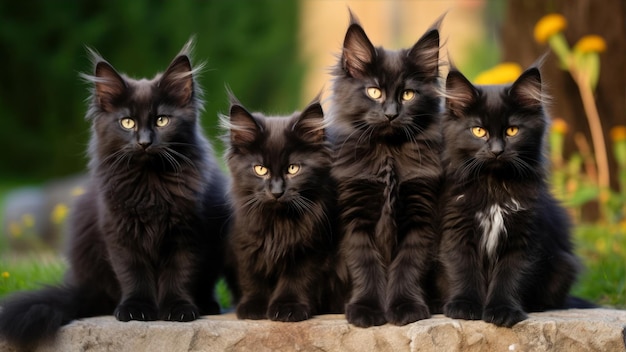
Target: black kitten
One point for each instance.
(505, 247)
(385, 127)
(283, 225)
(145, 238)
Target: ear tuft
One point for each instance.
(526, 90)
(425, 53)
(309, 126)
(109, 86)
(460, 93)
(177, 81)
(244, 128)
(358, 51)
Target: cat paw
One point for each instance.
(136, 310)
(503, 315)
(181, 312)
(253, 309)
(461, 309)
(407, 312)
(288, 311)
(364, 316)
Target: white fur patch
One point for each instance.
(492, 223)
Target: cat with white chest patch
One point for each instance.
(505, 247)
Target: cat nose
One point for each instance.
(497, 149)
(391, 112)
(144, 139)
(391, 117)
(277, 188)
(144, 143)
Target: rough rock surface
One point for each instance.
(571, 330)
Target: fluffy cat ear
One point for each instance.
(425, 53)
(358, 51)
(177, 81)
(243, 126)
(309, 126)
(526, 90)
(460, 93)
(110, 86)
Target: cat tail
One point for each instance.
(29, 318)
(573, 302)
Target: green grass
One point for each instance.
(29, 272)
(33, 271)
(603, 250)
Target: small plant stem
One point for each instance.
(597, 136)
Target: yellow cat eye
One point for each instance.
(374, 93)
(162, 121)
(408, 95)
(127, 123)
(479, 132)
(512, 131)
(260, 170)
(293, 169)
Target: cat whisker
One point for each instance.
(252, 203)
(182, 157)
(114, 158)
(523, 167)
(470, 169)
(165, 156)
(321, 216)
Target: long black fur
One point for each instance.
(387, 167)
(146, 237)
(284, 236)
(505, 245)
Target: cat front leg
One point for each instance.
(503, 306)
(367, 271)
(362, 202)
(291, 300)
(407, 273)
(416, 251)
(137, 281)
(175, 302)
(254, 294)
(463, 274)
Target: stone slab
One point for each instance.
(567, 330)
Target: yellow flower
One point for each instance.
(590, 43)
(28, 220)
(59, 213)
(548, 26)
(78, 191)
(503, 73)
(618, 133)
(5, 274)
(15, 230)
(559, 125)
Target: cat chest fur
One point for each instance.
(492, 223)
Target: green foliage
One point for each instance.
(603, 249)
(23, 273)
(248, 45)
(31, 272)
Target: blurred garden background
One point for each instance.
(275, 55)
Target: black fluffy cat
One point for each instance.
(385, 128)
(145, 238)
(505, 246)
(283, 227)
